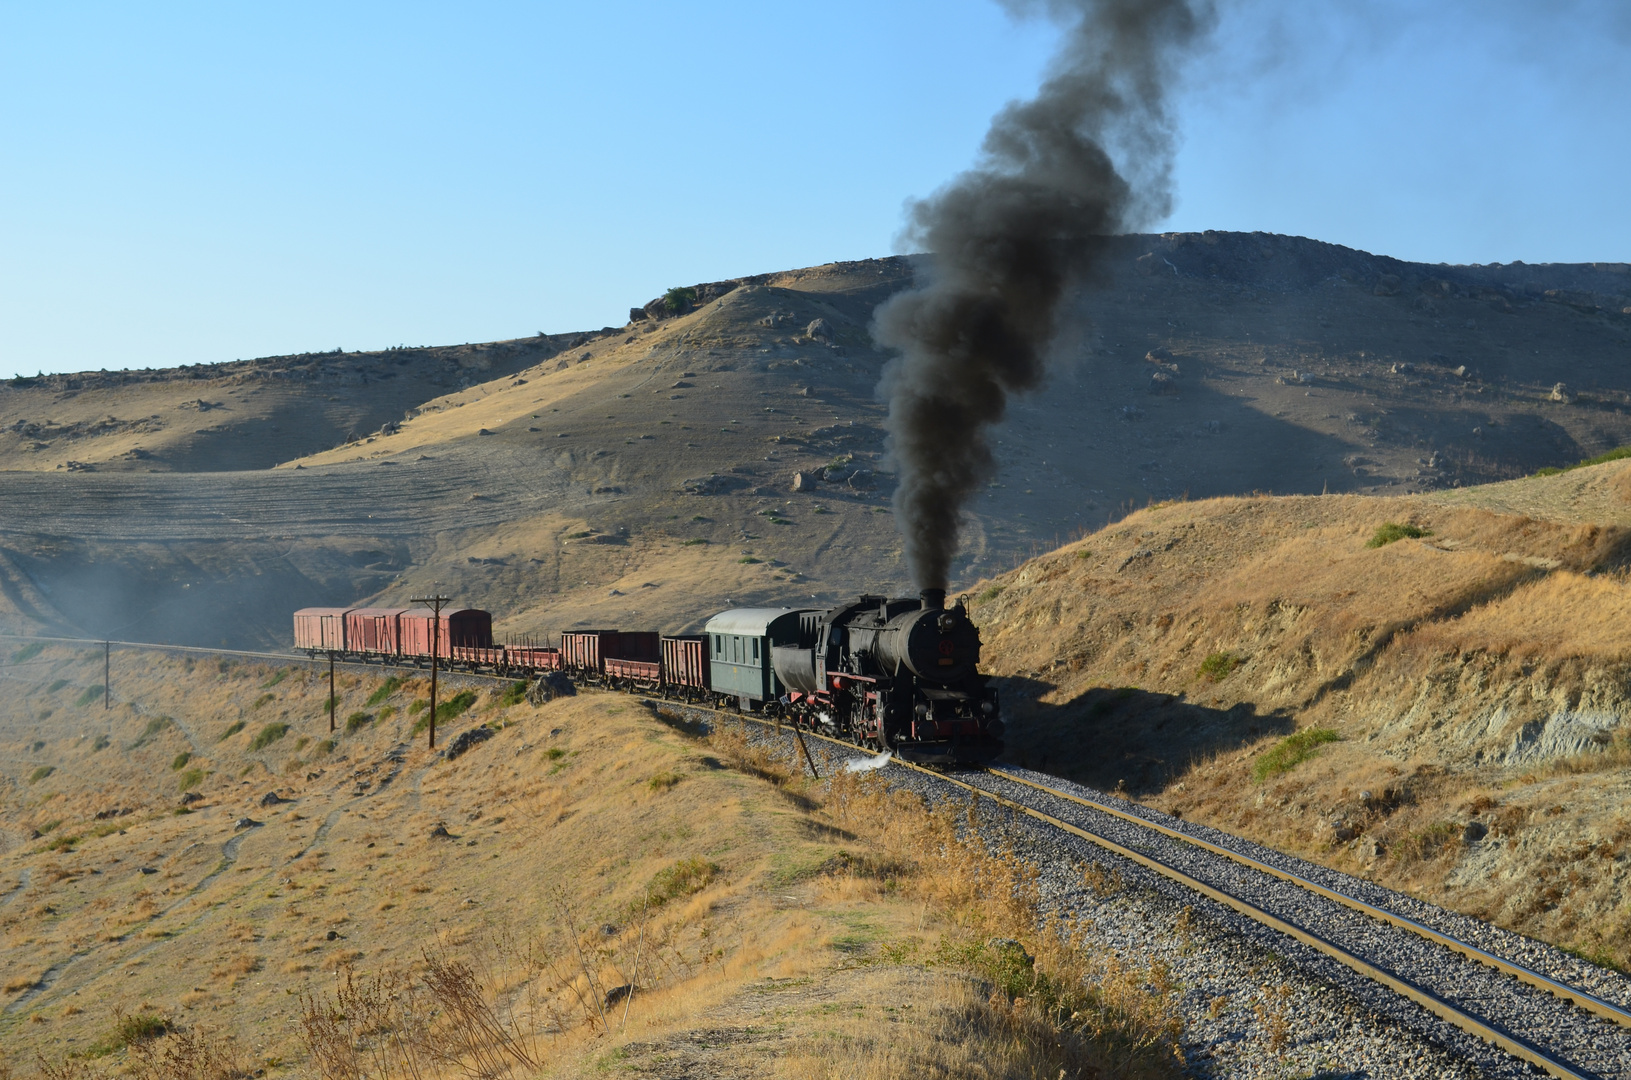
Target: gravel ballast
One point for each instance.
(1255, 1002)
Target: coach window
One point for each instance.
(755, 650)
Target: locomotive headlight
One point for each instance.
(988, 707)
(948, 623)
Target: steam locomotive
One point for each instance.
(897, 674)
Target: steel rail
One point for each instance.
(1513, 1044)
(1595, 1005)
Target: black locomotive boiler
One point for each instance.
(893, 674)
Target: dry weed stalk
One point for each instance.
(200, 1054)
(1049, 986)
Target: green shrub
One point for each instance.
(191, 779)
(322, 748)
(277, 676)
(264, 699)
(27, 652)
(102, 743)
(386, 713)
(1292, 751)
(420, 725)
(555, 753)
(357, 721)
(749, 559)
(693, 542)
(1390, 531)
(41, 773)
(232, 729)
(62, 843)
(455, 705)
(681, 879)
(385, 690)
(418, 707)
(154, 726)
(268, 735)
(664, 780)
(1548, 471)
(181, 761)
(300, 743)
(58, 685)
(1219, 666)
(679, 299)
(140, 1028)
(989, 593)
(88, 695)
(514, 694)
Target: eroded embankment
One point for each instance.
(1443, 712)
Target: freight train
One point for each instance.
(897, 674)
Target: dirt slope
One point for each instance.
(645, 473)
(581, 846)
(1466, 689)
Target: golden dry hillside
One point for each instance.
(644, 474)
(1420, 690)
(204, 869)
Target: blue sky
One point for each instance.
(186, 183)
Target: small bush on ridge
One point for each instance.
(1389, 531)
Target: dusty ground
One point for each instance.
(552, 479)
(1471, 684)
(584, 845)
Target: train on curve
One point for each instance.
(898, 674)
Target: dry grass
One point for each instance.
(674, 877)
(1432, 658)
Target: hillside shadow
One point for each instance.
(1124, 738)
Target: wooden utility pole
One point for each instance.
(331, 691)
(434, 602)
(107, 664)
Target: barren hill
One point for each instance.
(1441, 706)
(645, 473)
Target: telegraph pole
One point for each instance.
(331, 691)
(107, 663)
(434, 602)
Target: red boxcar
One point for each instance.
(467, 628)
(644, 673)
(535, 658)
(374, 630)
(685, 662)
(586, 650)
(640, 645)
(320, 628)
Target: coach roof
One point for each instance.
(749, 622)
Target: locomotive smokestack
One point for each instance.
(1008, 239)
(933, 599)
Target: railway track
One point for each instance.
(1545, 1022)
(1540, 1019)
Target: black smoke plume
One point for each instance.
(1089, 157)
